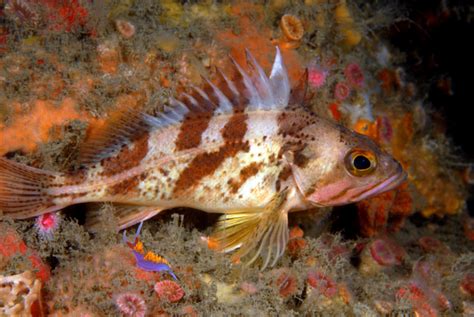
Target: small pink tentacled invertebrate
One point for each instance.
(47, 223)
(131, 305)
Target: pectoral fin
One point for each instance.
(262, 232)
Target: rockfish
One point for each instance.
(246, 147)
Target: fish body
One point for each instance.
(246, 148)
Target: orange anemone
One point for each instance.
(293, 31)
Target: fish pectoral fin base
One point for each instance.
(125, 215)
(262, 232)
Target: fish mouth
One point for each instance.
(388, 184)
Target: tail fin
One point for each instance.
(23, 190)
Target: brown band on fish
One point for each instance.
(206, 163)
(190, 132)
(127, 158)
(195, 122)
(285, 173)
(124, 187)
(245, 173)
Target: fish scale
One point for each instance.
(246, 147)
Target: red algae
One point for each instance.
(341, 91)
(286, 284)
(169, 291)
(11, 246)
(354, 75)
(432, 245)
(335, 112)
(467, 285)
(322, 283)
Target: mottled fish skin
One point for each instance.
(236, 164)
(246, 148)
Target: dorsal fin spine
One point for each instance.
(261, 81)
(192, 100)
(261, 93)
(202, 93)
(229, 83)
(224, 103)
(279, 81)
(252, 91)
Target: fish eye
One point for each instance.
(360, 162)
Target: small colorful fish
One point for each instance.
(150, 261)
(247, 148)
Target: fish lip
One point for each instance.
(390, 183)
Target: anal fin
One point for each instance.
(125, 215)
(262, 232)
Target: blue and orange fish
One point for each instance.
(149, 261)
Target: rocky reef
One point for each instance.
(65, 65)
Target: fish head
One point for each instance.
(337, 166)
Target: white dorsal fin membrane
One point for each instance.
(194, 103)
(202, 93)
(179, 106)
(229, 83)
(279, 81)
(225, 106)
(207, 104)
(253, 95)
(170, 115)
(261, 82)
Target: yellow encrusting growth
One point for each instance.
(346, 26)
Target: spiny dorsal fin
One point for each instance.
(250, 91)
(125, 126)
(298, 94)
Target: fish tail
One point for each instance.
(24, 190)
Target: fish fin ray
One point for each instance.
(261, 82)
(299, 93)
(253, 90)
(279, 81)
(123, 127)
(24, 190)
(260, 233)
(126, 215)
